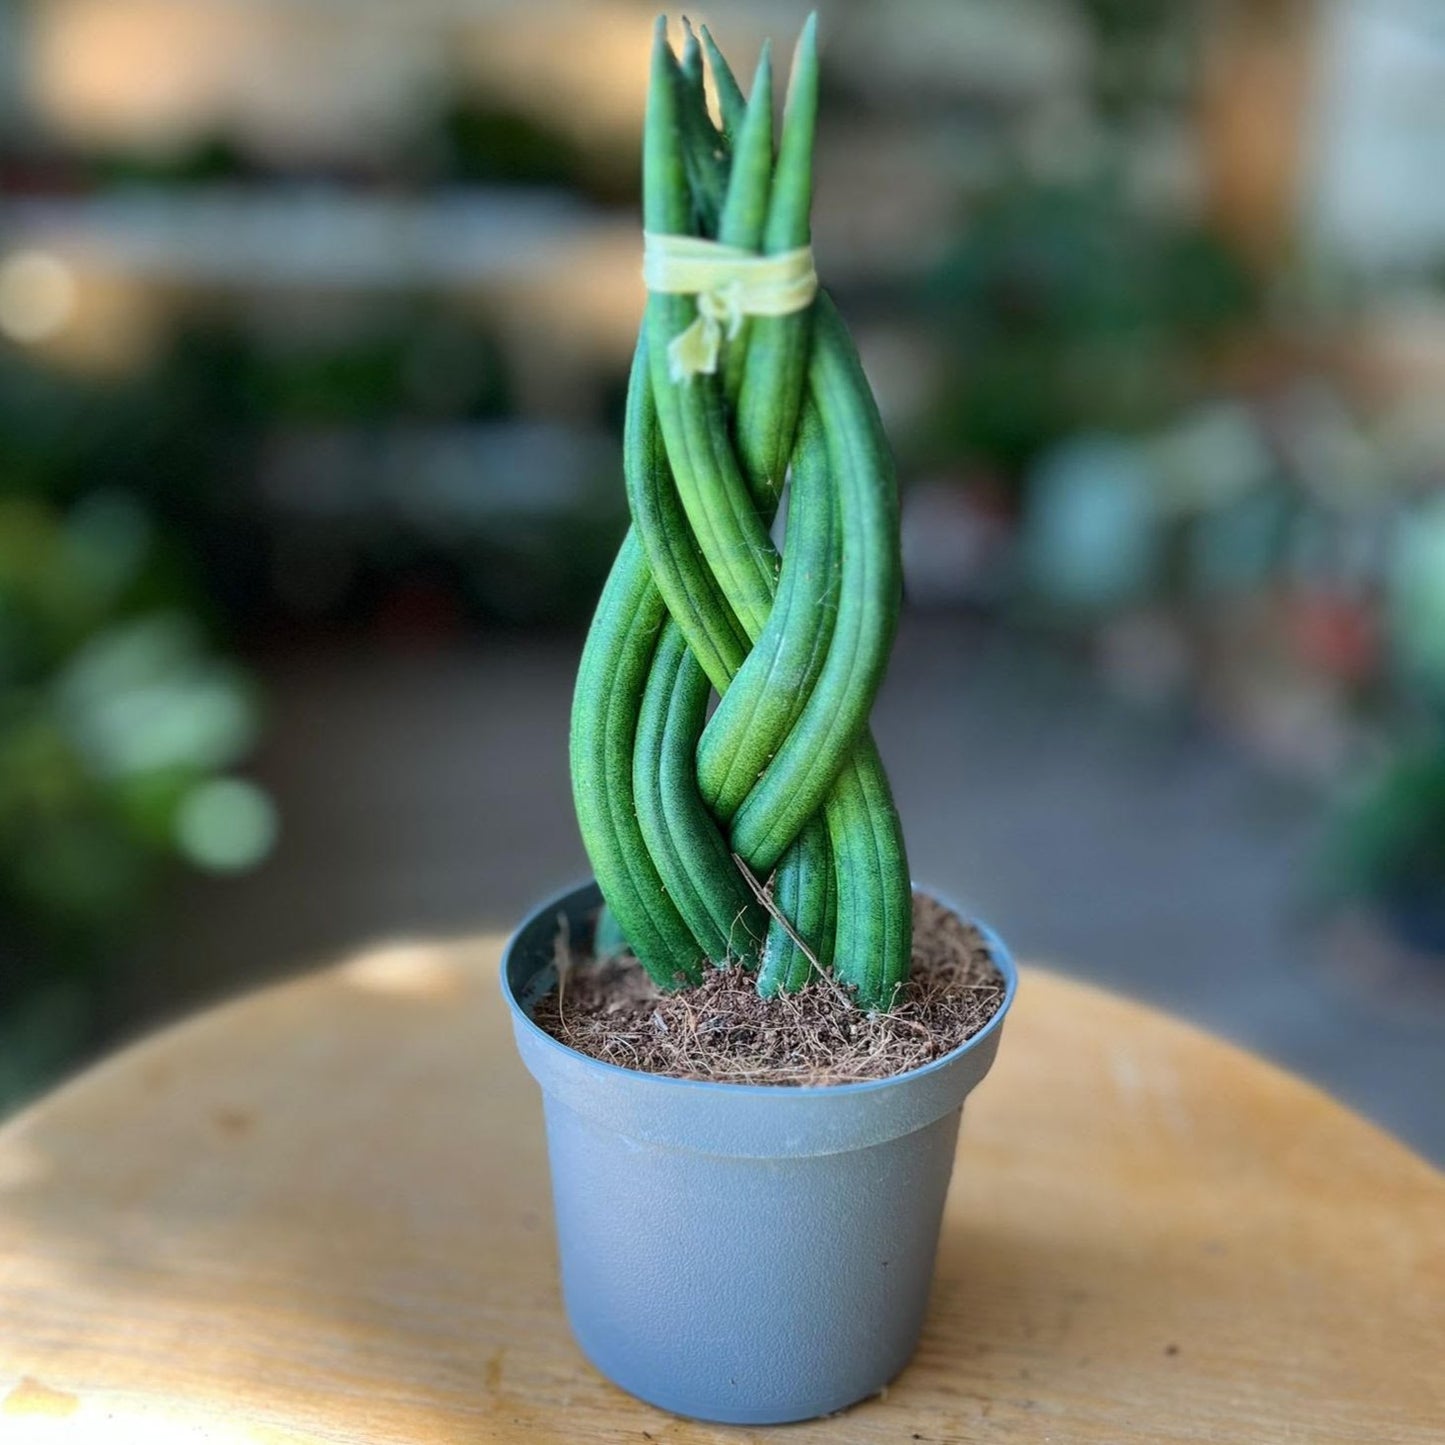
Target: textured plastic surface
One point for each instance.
(738, 1253)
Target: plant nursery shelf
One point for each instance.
(321, 1214)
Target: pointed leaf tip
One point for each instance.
(729, 95)
(691, 60)
(808, 36)
(664, 58)
(763, 77)
(803, 76)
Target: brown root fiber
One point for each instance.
(722, 1031)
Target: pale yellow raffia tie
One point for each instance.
(729, 284)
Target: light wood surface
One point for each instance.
(321, 1214)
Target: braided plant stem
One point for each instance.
(784, 778)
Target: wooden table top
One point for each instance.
(321, 1214)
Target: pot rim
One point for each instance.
(998, 952)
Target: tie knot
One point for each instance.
(730, 284)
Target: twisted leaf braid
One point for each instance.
(784, 775)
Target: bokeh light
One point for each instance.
(226, 825)
(37, 296)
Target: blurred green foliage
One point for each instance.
(479, 144)
(1061, 309)
(1386, 846)
(114, 713)
(186, 436)
(459, 140)
(142, 519)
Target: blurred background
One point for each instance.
(314, 324)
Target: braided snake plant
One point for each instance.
(762, 833)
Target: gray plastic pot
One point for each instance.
(739, 1253)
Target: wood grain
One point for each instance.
(321, 1214)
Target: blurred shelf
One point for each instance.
(443, 478)
(321, 236)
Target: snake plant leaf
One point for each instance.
(785, 776)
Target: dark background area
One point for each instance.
(314, 327)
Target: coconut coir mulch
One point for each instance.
(722, 1031)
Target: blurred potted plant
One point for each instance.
(117, 726)
(1387, 847)
(753, 1251)
(1387, 844)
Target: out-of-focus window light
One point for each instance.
(37, 296)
